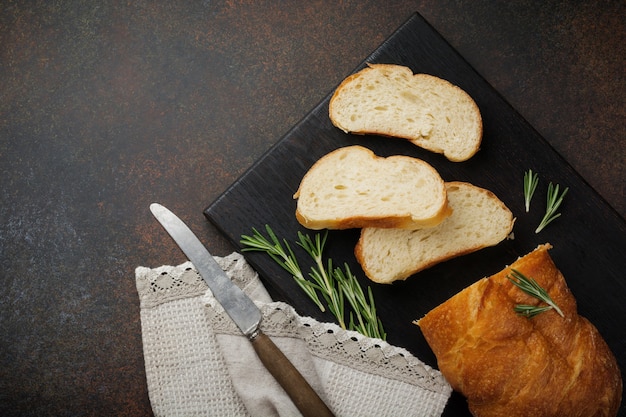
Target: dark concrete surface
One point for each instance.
(106, 107)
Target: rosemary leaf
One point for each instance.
(532, 288)
(553, 201)
(285, 258)
(531, 180)
(322, 275)
(530, 310)
(365, 312)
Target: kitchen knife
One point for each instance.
(244, 313)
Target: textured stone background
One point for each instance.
(106, 107)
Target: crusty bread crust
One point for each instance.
(479, 219)
(509, 365)
(389, 100)
(352, 187)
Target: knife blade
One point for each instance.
(246, 315)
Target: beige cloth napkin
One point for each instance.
(199, 364)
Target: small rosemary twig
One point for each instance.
(553, 201)
(283, 257)
(323, 275)
(531, 180)
(532, 288)
(367, 322)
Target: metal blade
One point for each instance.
(238, 305)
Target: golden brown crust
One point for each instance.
(358, 222)
(494, 220)
(436, 141)
(508, 365)
(405, 218)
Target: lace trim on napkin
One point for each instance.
(349, 348)
(168, 283)
(324, 340)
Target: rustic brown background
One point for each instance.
(106, 107)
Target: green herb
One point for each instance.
(530, 287)
(531, 180)
(367, 322)
(322, 274)
(335, 285)
(285, 258)
(553, 201)
(530, 310)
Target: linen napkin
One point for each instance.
(199, 364)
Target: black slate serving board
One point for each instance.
(589, 239)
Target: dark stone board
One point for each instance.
(589, 238)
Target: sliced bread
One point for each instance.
(479, 219)
(352, 187)
(389, 100)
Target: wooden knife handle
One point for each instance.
(294, 384)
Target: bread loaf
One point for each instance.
(389, 100)
(479, 219)
(513, 366)
(351, 187)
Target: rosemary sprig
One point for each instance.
(530, 310)
(323, 275)
(532, 288)
(283, 257)
(553, 201)
(367, 322)
(335, 285)
(531, 180)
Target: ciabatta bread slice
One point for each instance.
(352, 187)
(389, 100)
(479, 219)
